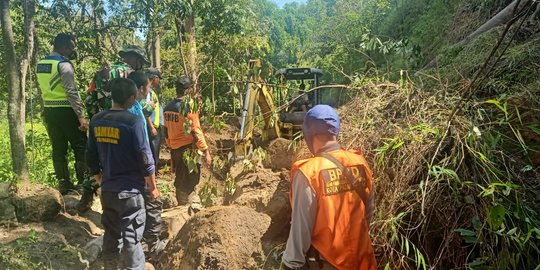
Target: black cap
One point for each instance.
(153, 72)
(184, 82)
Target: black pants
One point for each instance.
(123, 219)
(152, 228)
(155, 144)
(184, 181)
(63, 127)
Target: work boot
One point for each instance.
(65, 186)
(182, 198)
(86, 201)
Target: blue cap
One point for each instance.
(321, 119)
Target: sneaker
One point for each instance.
(86, 201)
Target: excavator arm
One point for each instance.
(257, 93)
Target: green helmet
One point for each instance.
(135, 50)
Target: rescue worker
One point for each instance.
(332, 201)
(177, 115)
(154, 208)
(119, 157)
(156, 112)
(63, 110)
(99, 99)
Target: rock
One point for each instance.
(71, 202)
(92, 250)
(5, 190)
(221, 237)
(173, 220)
(37, 204)
(7, 212)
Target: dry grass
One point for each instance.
(421, 205)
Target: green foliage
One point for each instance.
(38, 150)
(192, 159)
(207, 194)
(32, 252)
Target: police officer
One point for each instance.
(119, 157)
(99, 99)
(177, 114)
(332, 201)
(63, 110)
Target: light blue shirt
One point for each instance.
(136, 109)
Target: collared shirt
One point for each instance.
(67, 73)
(137, 109)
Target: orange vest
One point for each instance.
(340, 233)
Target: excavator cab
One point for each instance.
(295, 101)
(269, 108)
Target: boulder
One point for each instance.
(7, 212)
(38, 203)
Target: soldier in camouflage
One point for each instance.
(99, 99)
(99, 95)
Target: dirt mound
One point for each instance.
(222, 237)
(266, 192)
(280, 154)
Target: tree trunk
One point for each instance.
(16, 100)
(180, 41)
(193, 70)
(155, 45)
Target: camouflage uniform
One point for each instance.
(99, 94)
(99, 99)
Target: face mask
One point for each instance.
(73, 55)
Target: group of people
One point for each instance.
(118, 151)
(332, 194)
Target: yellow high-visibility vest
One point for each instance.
(50, 82)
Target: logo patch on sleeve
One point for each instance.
(44, 68)
(335, 181)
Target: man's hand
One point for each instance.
(98, 178)
(154, 193)
(152, 104)
(207, 159)
(153, 131)
(152, 187)
(83, 125)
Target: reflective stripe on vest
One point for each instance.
(50, 82)
(340, 233)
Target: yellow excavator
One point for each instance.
(281, 115)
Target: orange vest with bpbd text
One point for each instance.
(340, 233)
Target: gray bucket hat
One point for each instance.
(184, 82)
(135, 50)
(153, 72)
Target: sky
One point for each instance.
(280, 3)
